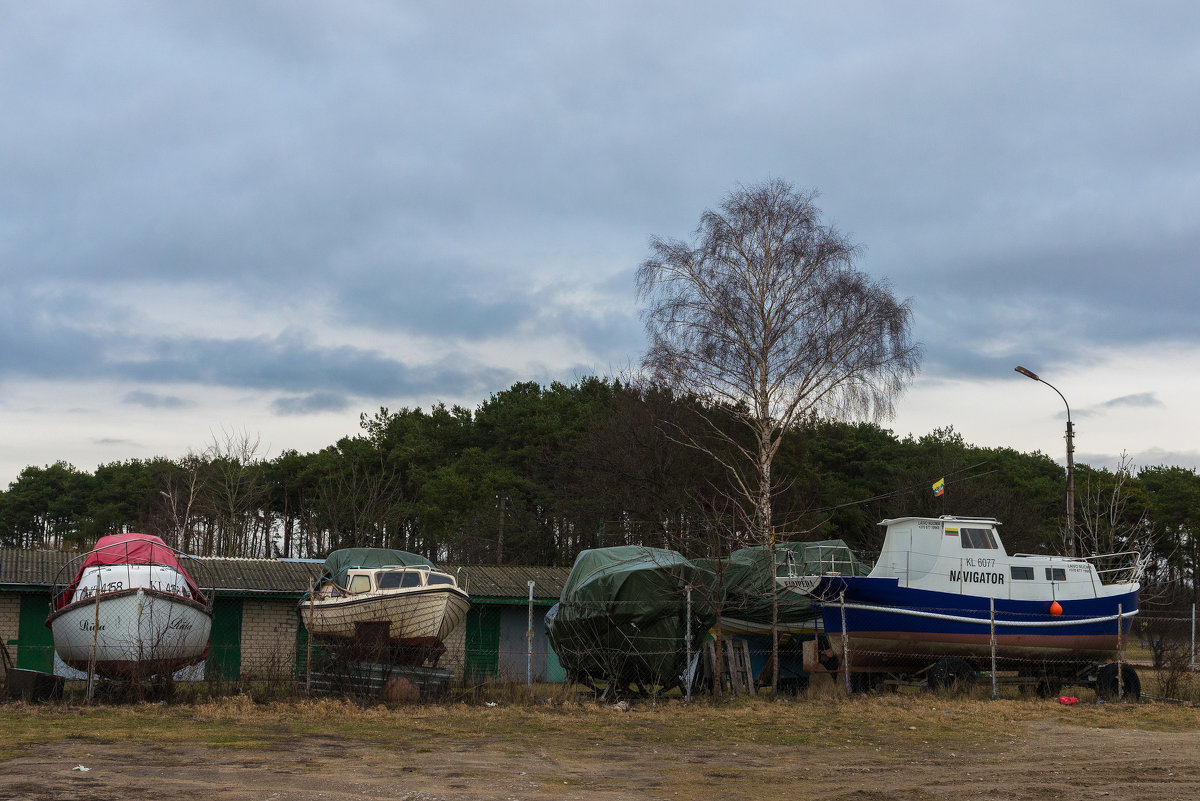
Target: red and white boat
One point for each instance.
(129, 610)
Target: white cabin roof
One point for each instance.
(985, 521)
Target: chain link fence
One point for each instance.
(1155, 657)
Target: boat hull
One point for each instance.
(418, 619)
(140, 633)
(889, 627)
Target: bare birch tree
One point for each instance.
(765, 314)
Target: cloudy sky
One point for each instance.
(271, 216)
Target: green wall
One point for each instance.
(36, 651)
(225, 642)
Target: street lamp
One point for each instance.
(1070, 460)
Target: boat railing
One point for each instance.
(821, 560)
(64, 585)
(1121, 567)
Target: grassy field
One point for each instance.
(908, 746)
(894, 721)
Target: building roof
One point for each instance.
(27, 570)
(510, 581)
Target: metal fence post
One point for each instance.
(992, 615)
(529, 637)
(312, 587)
(687, 636)
(1120, 656)
(845, 643)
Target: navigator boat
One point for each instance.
(129, 610)
(384, 604)
(945, 588)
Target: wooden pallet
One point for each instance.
(737, 677)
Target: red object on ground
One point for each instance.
(128, 549)
(1068, 700)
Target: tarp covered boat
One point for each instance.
(129, 610)
(748, 579)
(622, 616)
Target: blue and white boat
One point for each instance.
(944, 587)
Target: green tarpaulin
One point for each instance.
(748, 580)
(340, 561)
(622, 615)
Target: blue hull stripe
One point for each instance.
(881, 605)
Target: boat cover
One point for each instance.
(748, 583)
(622, 615)
(339, 562)
(128, 549)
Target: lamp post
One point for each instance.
(1070, 460)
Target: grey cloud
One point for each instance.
(268, 363)
(39, 338)
(441, 300)
(1140, 400)
(153, 400)
(1031, 192)
(310, 404)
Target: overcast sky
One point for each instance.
(270, 217)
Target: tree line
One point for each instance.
(536, 474)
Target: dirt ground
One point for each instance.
(1044, 758)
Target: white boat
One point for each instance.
(379, 600)
(945, 596)
(129, 610)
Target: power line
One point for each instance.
(913, 488)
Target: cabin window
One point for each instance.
(389, 580)
(977, 538)
(360, 584)
(1056, 574)
(439, 578)
(398, 579)
(1022, 573)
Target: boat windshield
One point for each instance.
(440, 578)
(398, 579)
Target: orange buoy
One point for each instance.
(1055, 608)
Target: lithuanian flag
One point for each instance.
(939, 486)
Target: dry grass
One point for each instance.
(912, 746)
(887, 721)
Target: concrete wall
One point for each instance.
(268, 638)
(10, 624)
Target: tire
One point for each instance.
(951, 677)
(1049, 688)
(864, 682)
(1107, 687)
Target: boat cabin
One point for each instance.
(390, 578)
(965, 555)
(114, 578)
